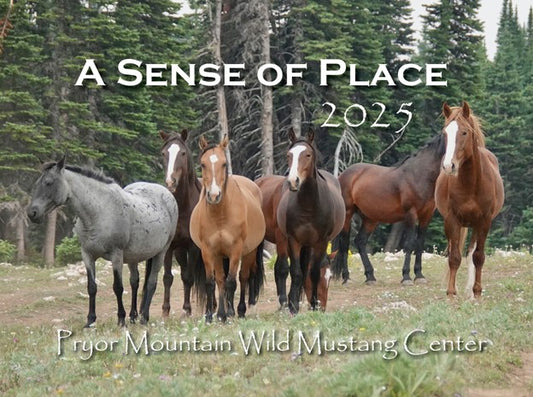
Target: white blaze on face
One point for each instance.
(173, 151)
(451, 135)
(293, 172)
(214, 188)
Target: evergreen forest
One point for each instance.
(44, 115)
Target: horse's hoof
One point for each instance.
(346, 280)
(370, 282)
(421, 280)
(407, 282)
(90, 325)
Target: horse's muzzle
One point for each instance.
(449, 169)
(34, 214)
(294, 184)
(214, 198)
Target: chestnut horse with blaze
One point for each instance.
(271, 187)
(469, 193)
(310, 213)
(228, 224)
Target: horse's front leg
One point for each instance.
(318, 258)
(134, 284)
(452, 229)
(210, 263)
(297, 276)
(153, 265)
(168, 279)
(118, 286)
(478, 257)
(231, 278)
(91, 286)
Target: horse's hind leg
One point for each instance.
(281, 268)
(134, 283)
(342, 242)
(360, 242)
(187, 278)
(452, 229)
(409, 246)
(168, 279)
(118, 286)
(244, 278)
(421, 237)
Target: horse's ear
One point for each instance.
(203, 143)
(292, 135)
(310, 135)
(466, 110)
(224, 142)
(61, 163)
(164, 136)
(446, 109)
(184, 134)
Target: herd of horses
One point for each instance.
(215, 226)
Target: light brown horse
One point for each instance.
(469, 192)
(228, 223)
(271, 188)
(310, 213)
(404, 192)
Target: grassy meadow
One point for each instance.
(382, 340)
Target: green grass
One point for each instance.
(30, 364)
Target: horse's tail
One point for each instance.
(257, 277)
(199, 279)
(340, 244)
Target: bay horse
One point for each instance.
(310, 213)
(127, 225)
(378, 194)
(469, 193)
(271, 188)
(181, 180)
(228, 223)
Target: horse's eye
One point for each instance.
(224, 165)
(202, 165)
(183, 153)
(308, 155)
(464, 133)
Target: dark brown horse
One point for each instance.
(271, 187)
(228, 223)
(388, 195)
(310, 213)
(469, 193)
(181, 180)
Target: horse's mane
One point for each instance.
(473, 121)
(435, 143)
(89, 173)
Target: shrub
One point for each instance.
(68, 251)
(7, 251)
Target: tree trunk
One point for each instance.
(21, 247)
(267, 146)
(221, 96)
(296, 101)
(395, 236)
(50, 239)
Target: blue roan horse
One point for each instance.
(127, 225)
